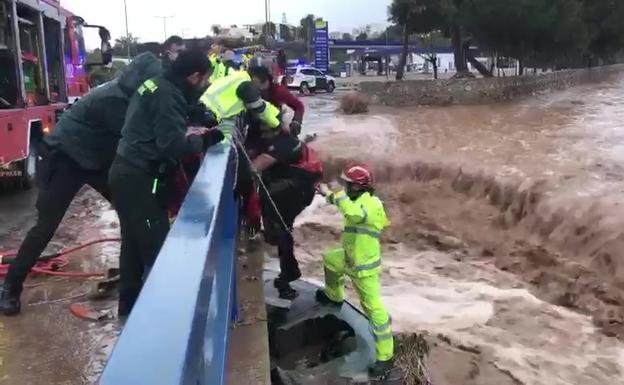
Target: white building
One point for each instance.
(446, 62)
(336, 35)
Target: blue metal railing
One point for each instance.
(178, 331)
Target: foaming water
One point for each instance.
(478, 308)
(538, 185)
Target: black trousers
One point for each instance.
(144, 227)
(59, 179)
(291, 198)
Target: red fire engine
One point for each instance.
(42, 71)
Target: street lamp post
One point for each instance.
(127, 30)
(164, 19)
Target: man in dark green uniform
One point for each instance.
(154, 138)
(78, 152)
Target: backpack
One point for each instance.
(310, 162)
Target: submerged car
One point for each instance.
(314, 344)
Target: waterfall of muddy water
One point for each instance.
(506, 238)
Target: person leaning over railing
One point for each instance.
(78, 152)
(154, 138)
(230, 96)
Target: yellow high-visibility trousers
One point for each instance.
(368, 287)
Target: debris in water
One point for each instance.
(411, 356)
(354, 103)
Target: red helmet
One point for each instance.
(357, 173)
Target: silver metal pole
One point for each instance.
(164, 19)
(127, 30)
(388, 57)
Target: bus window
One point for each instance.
(67, 44)
(9, 88)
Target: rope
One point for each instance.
(238, 141)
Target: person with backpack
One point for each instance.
(290, 172)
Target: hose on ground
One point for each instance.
(53, 264)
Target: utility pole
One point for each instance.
(387, 59)
(267, 20)
(127, 30)
(164, 19)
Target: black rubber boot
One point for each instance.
(380, 369)
(10, 304)
(321, 297)
(285, 290)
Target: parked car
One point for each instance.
(307, 79)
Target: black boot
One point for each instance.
(285, 290)
(380, 369)
(10, 301)
(321, 297)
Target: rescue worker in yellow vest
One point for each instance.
(246, 60)
(223, 65)
(359, 258)
(229, 96)
(218, 68)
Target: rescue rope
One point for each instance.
(237, 139)
(52, 264)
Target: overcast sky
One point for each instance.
(195, 17)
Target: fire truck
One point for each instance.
(42, 71)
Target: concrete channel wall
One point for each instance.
(479, 90)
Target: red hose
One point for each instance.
(51, 266)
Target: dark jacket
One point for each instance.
(156, 124)
(89, 131)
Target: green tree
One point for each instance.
(269, 30)
(99, 75)
(362, 36)
(394, 32)
(347, 36)
(429, 41)
(414, 16)
(539, 31)
(286, 33)
(605, 27)
(307, 31)
(123, 43)
(307, 27)
(216, 30)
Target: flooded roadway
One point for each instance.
(46, 344)
(480, 284)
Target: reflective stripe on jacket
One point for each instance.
(223, 100)
(364, 219)
(221, 96)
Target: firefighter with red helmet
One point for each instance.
(359, 258)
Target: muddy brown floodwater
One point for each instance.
(506, 243)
